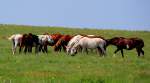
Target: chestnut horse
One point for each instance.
(62, 43)
(127, 43)
(55, 38)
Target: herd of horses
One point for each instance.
(73, 44)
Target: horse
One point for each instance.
(72, 42)
(89, 43)
(44, 40)
(16, 41)
(30, 40)
(55, 38)
(62, 43)
(77, 38)
(127, 43)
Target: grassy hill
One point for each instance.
(82, 68)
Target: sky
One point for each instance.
(101, 14)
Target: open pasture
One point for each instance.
(58, 67)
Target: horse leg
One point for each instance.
(103, 50)
(15, 46)
(86, 50)
(142, 51)
(116, 51)
(36, 49)
(25, 49)
(99, 51)
(40, 48)
(29, 48)
(20, 49)
(45, 48)
(138, 51)
(64, 48)
(59, 48)
(122, 53)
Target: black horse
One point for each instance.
(127, 43)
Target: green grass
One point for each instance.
(61, 68)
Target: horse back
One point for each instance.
(134, 43)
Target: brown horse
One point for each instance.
(30, 40)
(55, 38)
(62, 43)
(127, 43)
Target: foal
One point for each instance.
(127, 43)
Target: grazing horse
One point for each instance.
(77, 38)
(62, 43)
(72, 42)
(55, 38)
(44, 40)
(127, 43)
(89, 43)
(16, 39)
(30, 40)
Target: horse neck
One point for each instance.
(111, 41)
(76, 45)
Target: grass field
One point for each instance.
(60, 68)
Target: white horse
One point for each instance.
(44, 40)
(89, 43)
(16, 41)
(74, 40)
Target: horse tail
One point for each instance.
(11, 37)
(105, 44)
(103, 47)
(142, 44)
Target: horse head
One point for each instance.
(49, 39)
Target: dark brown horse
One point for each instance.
(127, 43)
(30, 40)
(62, 43)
